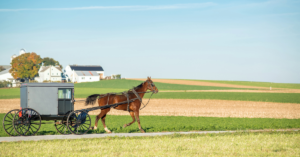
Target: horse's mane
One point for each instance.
(139, 86)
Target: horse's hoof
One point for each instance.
(125, 125)
(142, 131)
(108, 131)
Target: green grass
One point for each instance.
(178, 123)
(129, 84)
(9, 93)
(85, 92)
(264, 97)
(228, 144)
(258, 84)
(82, 90)
(237, 144)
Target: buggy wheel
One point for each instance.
(8, 122)
(27, 122)
(79, 122)
(61, 126)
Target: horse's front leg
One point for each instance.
(136, 112)
(133, 119)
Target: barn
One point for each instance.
(84, 73)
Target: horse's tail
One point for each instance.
(91, 99)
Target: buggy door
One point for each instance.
(65, 100)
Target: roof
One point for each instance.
(5, 66)
(47, 85)
(86, 73)
(44, 68)
(86, 68)
(4, 71)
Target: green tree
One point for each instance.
(26, 66)
(50, 61)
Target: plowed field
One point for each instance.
(194, 107)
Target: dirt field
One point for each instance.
(188, 107)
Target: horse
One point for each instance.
(133, 106)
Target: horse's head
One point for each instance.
(151, 86)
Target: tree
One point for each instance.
(26, 66)
(2, 68)
(50, 61)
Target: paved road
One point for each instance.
(54, 137)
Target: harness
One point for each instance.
(126, 93)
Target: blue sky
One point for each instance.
(211, 40)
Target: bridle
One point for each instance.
(151, 84)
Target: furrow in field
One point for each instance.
(195, 107)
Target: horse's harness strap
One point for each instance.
(127, 96)
(147, 102)
(136, 94)
(107, 99)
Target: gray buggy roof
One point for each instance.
(47, 85)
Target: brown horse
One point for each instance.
(133, 107)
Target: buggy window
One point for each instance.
(64, 93)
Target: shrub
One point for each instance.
(4, 84)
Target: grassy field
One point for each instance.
(129, 84)
(9, 93)
(82, 90)
(178, 123)
(258, 84)
(236, 144)
(263, 97)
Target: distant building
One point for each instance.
(49, 73)
(84, 73)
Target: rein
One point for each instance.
(126, 93)
(136, 94)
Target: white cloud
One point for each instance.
(134, 7)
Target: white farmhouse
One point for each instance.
(6, 76)
(49, 73)
(84, 73)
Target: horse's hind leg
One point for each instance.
(102, 116)
(103, 122)
(133, 119)
(96, 121)
(103, 119)
(138, 120)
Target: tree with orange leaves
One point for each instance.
(26, 66)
